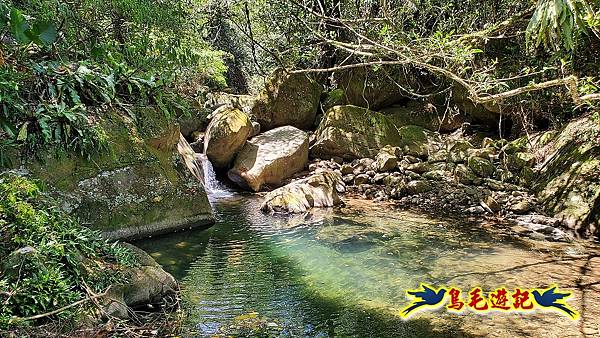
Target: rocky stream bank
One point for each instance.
(547, 182)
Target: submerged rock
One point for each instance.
(352, 132)
(147, 284)
(225, 136)
(270, 158)
(287, 99)
(318, 190)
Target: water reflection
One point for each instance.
(343, 273)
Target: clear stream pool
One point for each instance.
(343, 273)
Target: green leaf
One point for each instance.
(43, 33)
(23, 132)
(19, 26)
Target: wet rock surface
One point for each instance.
(320, 189)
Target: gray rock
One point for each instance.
(316, 191)
(347, 169)
(435, 175)
(521, 207)
(418, 187)
(387, 158)
(361, 179)
(270, 158)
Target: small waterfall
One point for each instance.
(211, 184)
(202, 169)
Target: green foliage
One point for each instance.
(46, 107)
(42, 33)
(48, 256)
(71, 61)
(555, 23)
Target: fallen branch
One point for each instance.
(570, 81)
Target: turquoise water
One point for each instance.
(328, 273)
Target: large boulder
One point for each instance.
(147, 284)
(137, 187)
(318, 190)
(375, 89)
(270, 158)
(568, 183)
(353, 132)
(287, 99)
(225, 136)
(423, 114)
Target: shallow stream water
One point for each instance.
(344, 273)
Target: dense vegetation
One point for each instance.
(65, 64)
(49, 261)
(496, 50)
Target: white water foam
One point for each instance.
(214, 188)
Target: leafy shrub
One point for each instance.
(62, 64)
(47, 256)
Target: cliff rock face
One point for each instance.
(568, 183)
(136, 188)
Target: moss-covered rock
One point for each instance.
(147, 284)
(225, 136)
(136, 187)
(423, 114)
(353, 132)
(375, 89)
(334, 98)
(481, 166)
(287, 99)
(459, 152)
(568, 185)
(418, 141)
